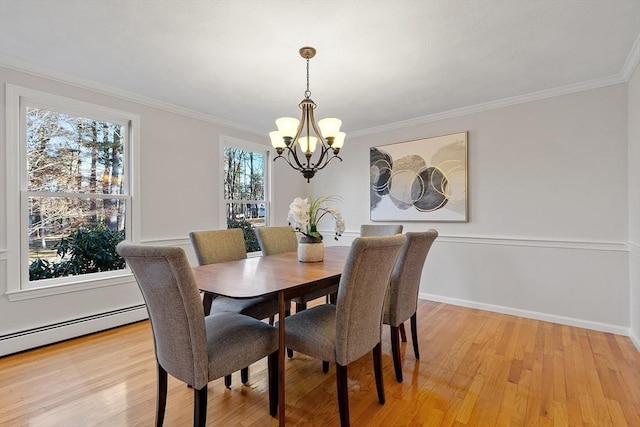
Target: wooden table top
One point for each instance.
(265, 275)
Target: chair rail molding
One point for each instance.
(511, 241)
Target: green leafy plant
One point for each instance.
(250, 239)
(81, 252)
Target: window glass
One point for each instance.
(76, 193)
(245, 186)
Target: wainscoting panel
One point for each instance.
(577, 283)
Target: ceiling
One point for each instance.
(378, 62)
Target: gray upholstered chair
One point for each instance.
(346, 331)
(369, 230)
(276, 240)
(214, 246)
(189, 346)
(402, 298)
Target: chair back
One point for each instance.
(175, 309)
(402, 298)
(214, 246)
(369, 230)
(276, 240)
(361, 294)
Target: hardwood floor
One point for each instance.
(476, 368)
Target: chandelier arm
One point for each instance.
(291, 151)
(320, 138)
(280, 156)
(300, 126)
(296, 142)
(327, 162)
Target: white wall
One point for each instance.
(548, 209)
(553, 195)
(179, 192)
(634, 202)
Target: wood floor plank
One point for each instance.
(476, 369)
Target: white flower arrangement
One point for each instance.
(304, 216)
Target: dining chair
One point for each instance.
(368, 230)
(344, 332)
(401, 302)
(276, 240)
(192, 347)
(214, 246)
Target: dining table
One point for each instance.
(279, 276)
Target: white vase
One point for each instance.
(310, 252)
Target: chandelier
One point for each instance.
(299, 138)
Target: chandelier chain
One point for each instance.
(307, 93)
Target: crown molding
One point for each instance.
(493, 105)
(630, 64)
(633, 59)
(48, 73)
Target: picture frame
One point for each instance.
(420, 180)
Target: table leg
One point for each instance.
(281, 353)
(207, 300)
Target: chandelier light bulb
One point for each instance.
(308, 145)
(287, 126)
(329, 127)
(338, 142)
(276, 139)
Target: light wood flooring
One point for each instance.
(476, 368)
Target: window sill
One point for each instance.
(121, 278)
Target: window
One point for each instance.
(245, 188)
(74, 188)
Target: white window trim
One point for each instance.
(16, 269)
(226, 141)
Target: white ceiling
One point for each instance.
(378, 62)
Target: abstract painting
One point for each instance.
(421, 180)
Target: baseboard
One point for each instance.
(635, 340)
(562, 320)
(37, 337)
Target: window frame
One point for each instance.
(226, 141)
(18, 98)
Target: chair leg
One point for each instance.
(300, 306)
(227, 381)
(161, 404)
(287, 314)
(414, 335)
(271, 320)
(343, 395)
(325, 366)
(395, 351)
(403, 334)
(244, 375)
(377, 370)
(272, 367)
(200, 407)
